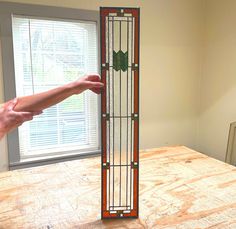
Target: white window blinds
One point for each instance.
(47, 54)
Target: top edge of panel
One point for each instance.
(131, 8)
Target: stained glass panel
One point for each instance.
(120, 111)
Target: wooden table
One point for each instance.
(179, 188)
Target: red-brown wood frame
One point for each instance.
(105, 11)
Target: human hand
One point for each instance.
(10, 119)
(91, 82)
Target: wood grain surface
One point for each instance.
(179, 188)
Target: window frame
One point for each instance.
(7, 10)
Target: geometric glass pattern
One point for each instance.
(120, 111)
(120, 60)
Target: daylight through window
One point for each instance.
(49, 53)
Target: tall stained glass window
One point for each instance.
(120, 111)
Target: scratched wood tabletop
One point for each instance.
(179, 188)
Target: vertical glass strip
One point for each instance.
(122, 164)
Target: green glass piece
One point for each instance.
(120, 60)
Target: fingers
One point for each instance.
(36, 113)
(12, 119)
(10, 104)
(96, 84)
(14, 102)
(96, 87)
(96, 90)
(26, 116)
(93, 77)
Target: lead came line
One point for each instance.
(113, 102)
(109, 111)
(127, 146)
(120, 122)
(131, 109)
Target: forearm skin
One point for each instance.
(41, 101)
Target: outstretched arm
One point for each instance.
(17, 111)
(41, 101)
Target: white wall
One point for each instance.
(218, 86)
(171, 59)
(171, 54)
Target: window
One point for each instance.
(49, 48)
(47, 54)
